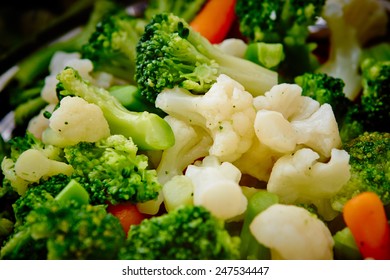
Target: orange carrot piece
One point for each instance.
(365, 216)
(215, 19)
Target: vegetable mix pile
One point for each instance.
(204, 129)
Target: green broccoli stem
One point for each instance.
(131, 98)
(148, 131)
(256, 79)
(183, 9)
(269, 55)
(250, 248)
(345, 247)
(73, 191)
(25, 111)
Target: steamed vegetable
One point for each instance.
(170, 53)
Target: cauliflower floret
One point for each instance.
(301, 178)
(301, 121)
(216, 187)
(38, 124)
(75, 121)
(233, 46)
(292, 233)
(59, 61)
(225, 112)
(32, 165)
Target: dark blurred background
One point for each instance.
(22, 21)
(27, 25)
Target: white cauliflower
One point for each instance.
(300, 178)
(301, 121)
(75, 121)
(225, 112)
(292, 233)
(32, 165)
(216, 187)
(233, 46)
(59, 61)
(38, 124)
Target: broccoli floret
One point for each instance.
(66, 231)
(19, 144)
(111, 170)
(189, 232)
(186, 9)
(284, 22)
(277, 21)
(21, 246)
(149, 131)
(369, 154)
(112, 47)
(375, 98)
(7, 219)
(170, 53)
(325, 89)
(37, 194)
(352, 124)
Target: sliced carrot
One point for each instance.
(215, 20)
(127, 213)
(365, 216)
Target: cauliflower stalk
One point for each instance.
(352, 24)
(75, 121)
(191, 143)
(225, 112)
(293, 233)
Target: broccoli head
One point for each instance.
(66, 231)
(170, 53)
(286, 22)
(112, 45)
(37, 194)
(111, 170)
(375, 98)
(369, 154)
(21, 143)
(277, 21)
(325, 89)
(188, 232)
